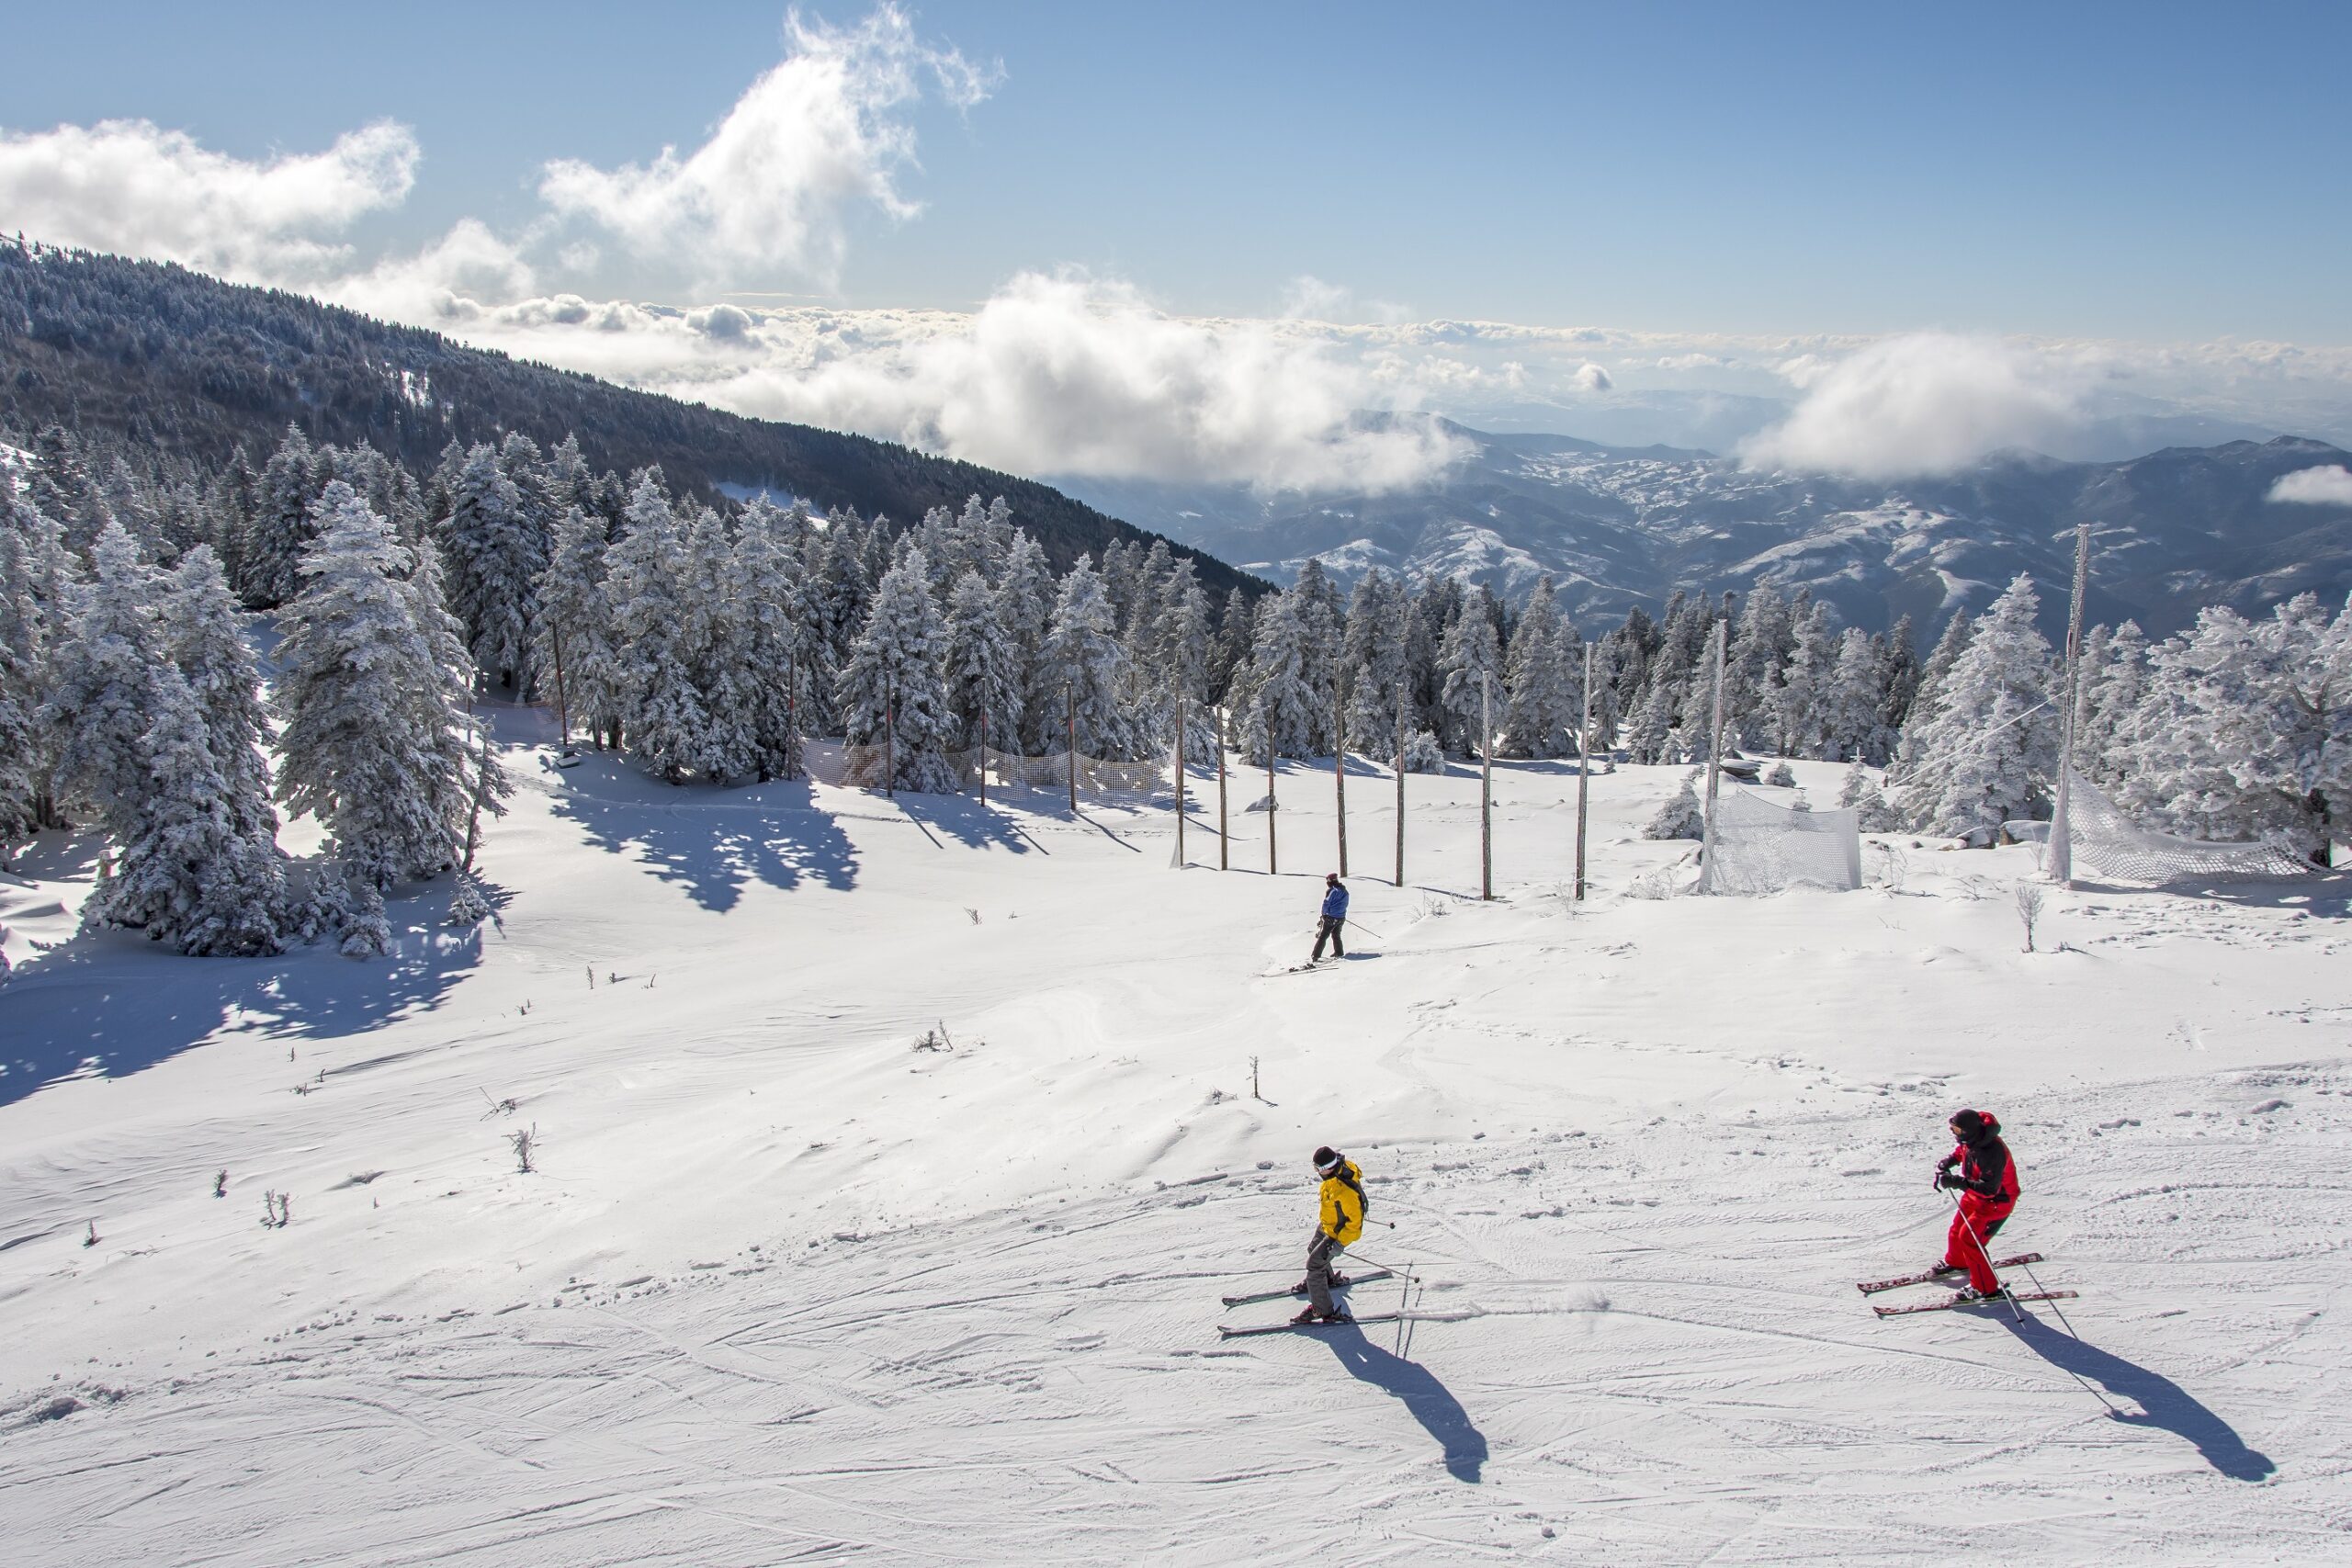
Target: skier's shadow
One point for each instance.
(2168, 1404)
(1431, 1401)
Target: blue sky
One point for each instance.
(1190, 239)
(2137, 171)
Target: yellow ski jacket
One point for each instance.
(1343, 1203)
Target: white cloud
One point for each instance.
(812, 138)
(441, 284)
(1923, 404)
(2328, 486)
(1591, 377)
(1076, 375)
(129, 186)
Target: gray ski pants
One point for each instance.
(1321, 1253)
(1329, 930)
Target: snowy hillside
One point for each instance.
(1616, 526)
(787, 1285)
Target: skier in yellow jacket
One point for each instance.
(1340, 1223)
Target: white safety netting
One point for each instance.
(1762, 848)
(2100, 835)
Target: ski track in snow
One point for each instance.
(784, 1290)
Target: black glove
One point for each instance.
(1947, 1162)
(1952, 1183)
(1937, 1181)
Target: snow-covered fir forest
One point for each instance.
(710, 647)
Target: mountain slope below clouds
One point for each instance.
(1616, 526)
(183, 363)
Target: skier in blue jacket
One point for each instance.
(1334, 915)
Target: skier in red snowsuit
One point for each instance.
(1986, 1181)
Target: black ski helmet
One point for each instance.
(1326, 1159)
(1968, 1123)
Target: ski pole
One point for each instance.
(1367, 931)
(1986, 1253)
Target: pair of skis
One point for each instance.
(1227, 1331)
(1928, 1276)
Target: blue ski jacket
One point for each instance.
(1335, 902)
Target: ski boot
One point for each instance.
(1311, 1316)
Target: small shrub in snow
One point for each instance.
(524, 1142)
(1680, 817)
(1783, 776)
(467, 907)
(276, 1210)
(2028, 900)
(1423, 754)
(220, 1183)
(91, 1238)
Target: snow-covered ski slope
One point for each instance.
(784, 1288)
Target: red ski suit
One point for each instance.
(1988, 1191)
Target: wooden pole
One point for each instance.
(1270, 793)
(2058, 864)
(1340, 771)
(1714, 770)
(1584, 767)
(1179, 778)
(890, 750)
(984, 756)
(1070, 735)
(1400, 785)
(1486, 785)
(1224, 841)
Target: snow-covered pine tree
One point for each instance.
(894, 687)
(60, 487)
(281, 525)
(2115, 675)
(647, 580)
(1184, 647)
(1927, 698)
(1280, 721)
(718, 637)
(574, 629)
(1853, 700)
(1081, 669)
(1371, 650)
(374, 736)
(1320, 614)
(132, 745)
(777, 636)
(983, 666)
(1470, 658)
(495, 548)
(1546, 705)
(1800, 705)
(839, 593)
(204, 636)
(1901, 673)
(22, 687)
(2261, 734)
(1229, 655)
(1988, 753)
(1025, 604)
(1759, 651)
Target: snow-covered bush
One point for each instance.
(1783, 776)
(1423, 754)
(1681, 817)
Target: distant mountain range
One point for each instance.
(182, 363)
(1616, 526)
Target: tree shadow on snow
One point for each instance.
(2167, 1403)
(1429, 1400)
(713, 841)
(965, 821)
(107, 1004)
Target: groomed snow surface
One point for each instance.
(786, 1288)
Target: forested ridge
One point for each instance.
(184, 364)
